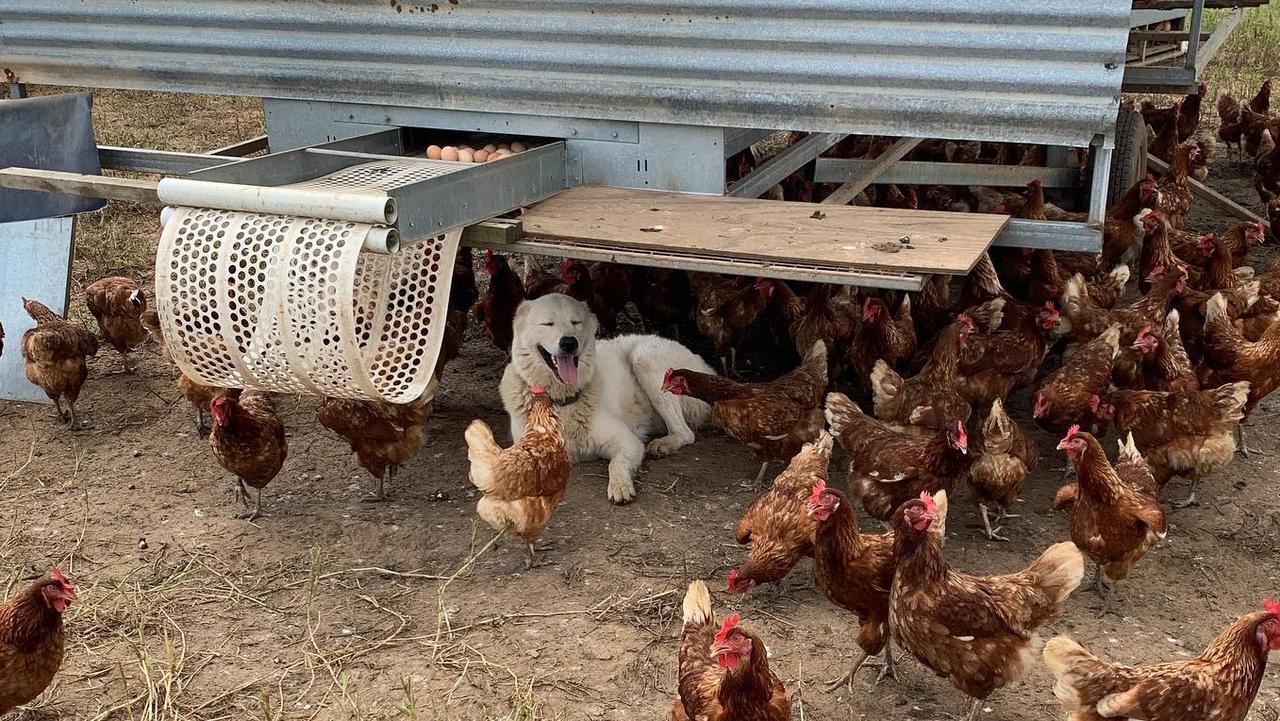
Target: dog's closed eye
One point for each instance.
(577, 322)
(546, 325)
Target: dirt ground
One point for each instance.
(332, 608)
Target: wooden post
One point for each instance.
(850, 190)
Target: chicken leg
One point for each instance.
(975, 710)
(1190, 500)
(1245, 450)
(379, 493)
(992, 535)
(764, 468)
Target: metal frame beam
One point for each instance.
(1209, 195)
(847, 192)
(920, 172)
(772, 171)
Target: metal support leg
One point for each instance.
(1101, 179)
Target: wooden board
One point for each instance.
(822, 235)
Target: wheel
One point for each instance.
(1129, 160)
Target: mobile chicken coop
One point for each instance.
(322, 266)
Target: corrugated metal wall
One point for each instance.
(1017, 70)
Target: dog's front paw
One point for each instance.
(621, 491)
(665, 446)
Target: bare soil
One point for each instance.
(333, 608)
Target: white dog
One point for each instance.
(608, 395)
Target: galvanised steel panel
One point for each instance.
(1012, 70)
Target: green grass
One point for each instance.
(1250, 55)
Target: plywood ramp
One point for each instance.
(842, 237)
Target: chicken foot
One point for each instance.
(992, 535)
(202, 428)
(764, 468)
(1104, 589)
(975, 710)
(242, 495)
(379, 492)
(1242, 443)
(1190, 500)
(888, 667)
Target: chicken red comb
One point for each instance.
(966, 319)
(818, 489)
(727, 627)
(1035, 183)
(929, 505)
(56, 574)
(666, 375)
(488, 253)
(1073, 431)
(999, 209)
(1048, 305)
(1272, 607)
(537, 390)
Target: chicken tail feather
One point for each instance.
(1060, 570)
(842, 413)
(1070, 663)
(481, 451)
(1229, 399)
(697, 604)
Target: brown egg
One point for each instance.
(490, 148)
(466, 147)
(480, 156)
(433, 152)
(519, 147)
(466, 156)
(504, 146)
(448, 152)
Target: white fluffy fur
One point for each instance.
(621, 405)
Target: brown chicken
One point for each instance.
(930, 306)
(117, 303)
(496, 307)
(1119, 236)
(1229, 357)
(248, 440)
(887, 466)
(827, 313)
(854, 570)
(1256, 132)
(538, 282)
(1230, 130)
(1003, 458)
(1117, 514)
(32, 639)
(1175, 195)
(978, 632)
(384, 436)
(724, 669)
(931, 399)
(522, 484)
(54, 355)
(1164, 144)
(664, 298)
(1184, 433)
(881, 337)
(726, 311)
(1273, 215)
(1085, 319)
(776, 525)
(1165, 364)
(773, 419)
(1218, 685)
(201, 397)
(994, 363)
(1184, 115)
(1157, 250)
(1072, 394)
(1266, 168)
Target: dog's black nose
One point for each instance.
(568, 344)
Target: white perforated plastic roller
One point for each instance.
(299, 305)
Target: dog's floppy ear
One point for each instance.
(522, 311)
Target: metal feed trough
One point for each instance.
(619, 97)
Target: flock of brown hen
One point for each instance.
(1174, 370)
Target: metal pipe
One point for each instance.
(375, 208)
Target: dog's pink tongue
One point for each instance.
(567, 369)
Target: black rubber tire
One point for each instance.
(1129, 160)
